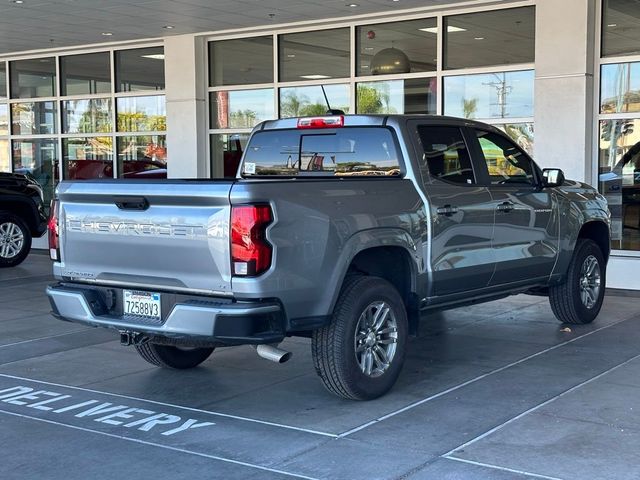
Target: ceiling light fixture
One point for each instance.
(450, 29)
(169, 27)
(106, 34)
(478, 38)
(314, 77)
(611, 25)
(17, 2)
(352, 5)
(291, 55)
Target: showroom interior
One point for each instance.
(561, 78)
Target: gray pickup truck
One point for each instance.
(345, 229)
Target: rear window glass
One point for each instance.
(337, 152)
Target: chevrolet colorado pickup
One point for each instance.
(22, 217)
(343, 228)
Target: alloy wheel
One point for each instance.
(590, 281)
(376, 338)
(11, 240)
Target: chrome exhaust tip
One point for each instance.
(272, 353)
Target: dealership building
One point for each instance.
(171, 89)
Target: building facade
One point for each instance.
(561, 78)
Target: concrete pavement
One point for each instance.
(495, 391)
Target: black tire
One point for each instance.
(567, 300)
(13, 228)
(169, 356)
(334, 346)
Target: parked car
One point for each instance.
(22, 216)
(92, 169)
(344, 229)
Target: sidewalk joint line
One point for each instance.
(155, 444)
(475, 379)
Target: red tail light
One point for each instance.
(250, 250)
(52, 227)
(321, 122)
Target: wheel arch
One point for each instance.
(395, 264)
(24, 209)
(598, 231)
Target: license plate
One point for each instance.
(142, 304)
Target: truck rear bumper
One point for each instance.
(227, 323)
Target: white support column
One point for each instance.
(564, 86)
(185, 64)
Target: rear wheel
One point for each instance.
(359, 355)
(173, 357)
(579, 298)
(15, 240)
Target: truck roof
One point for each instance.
(355, 120)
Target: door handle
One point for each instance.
(447, 210)
(131, 203)
(505, 207)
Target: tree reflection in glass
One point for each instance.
(310, 101)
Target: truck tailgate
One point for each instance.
(151, 234)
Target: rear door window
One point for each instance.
(340, 152)
(445, 154)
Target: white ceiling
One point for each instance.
(37, 24)
(620, 26)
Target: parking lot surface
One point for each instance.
(496, 391)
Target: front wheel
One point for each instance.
(579, 298)
(173, 357)
(15, 240)
(359, 355)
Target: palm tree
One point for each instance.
(469, 107)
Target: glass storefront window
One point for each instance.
(85, 158)
(521, 133)
(33, 78)
(3, 80)
(142, 156)
(87, 116)
(397, 96)
(620, 88)
(38, 157)
(398, 47)
(314, 55)
(620, 27)
(85, 74)
(307, 101)
(139, 69)
(241, 108)
(498, 37)
(226, 152)
(4, 119)
(33, 118)
(142, 114)
(5, 164)
(619, 179)
(490, 95)
(241, 61)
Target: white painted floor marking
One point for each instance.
(42, 338)
(191, 409)
(473, 380)
(539, 406)
(159, 445)
(504, 469)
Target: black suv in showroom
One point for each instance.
(22, 217)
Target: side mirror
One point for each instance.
(552, 177)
